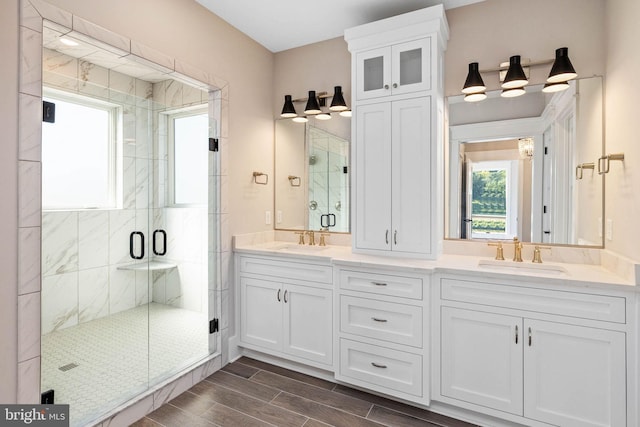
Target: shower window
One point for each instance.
(79, 153)
(188, 161)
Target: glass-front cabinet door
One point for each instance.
(374, 73)
(411, 66)
(394, 70)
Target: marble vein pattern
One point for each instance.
(59, 242)
(29, 336)
(93, 244)
(30, 62)
(29, 194)
(30, 131)
(93, 294)
(29, 256)
(60, 292)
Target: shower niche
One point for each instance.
(128, 234)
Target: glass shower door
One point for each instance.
(179, 308)
(126, 295)
(95, 243)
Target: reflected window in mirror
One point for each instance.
(545, 137)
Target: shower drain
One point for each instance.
(68, 366)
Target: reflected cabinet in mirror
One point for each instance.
(525, 166)
(312, 174)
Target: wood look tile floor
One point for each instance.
(253, 393)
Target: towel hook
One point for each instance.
(294, 180)
(256, 175)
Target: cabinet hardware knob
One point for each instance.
(375, 319)
(377, 365)
(529, 337)
(285, 296)
(516, 334)
(278, 295)
(395, 85)
(379, 283)
(386, 87)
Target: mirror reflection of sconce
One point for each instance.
(516, 77)
(605, 160)
(257, 180)
(525, 148)
(582, 167)
(294, 180)
(314, 106)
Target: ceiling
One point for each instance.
(284, 24)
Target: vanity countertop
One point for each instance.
(547, 273)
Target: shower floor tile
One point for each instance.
(109, 360)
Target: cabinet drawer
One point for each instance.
(292, 270)
(383, 284)
(562, 303)
(391, 369)
(398, 323)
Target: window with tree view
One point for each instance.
(492, 200)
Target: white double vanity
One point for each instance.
(491, 342)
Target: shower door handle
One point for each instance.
(328, 223)
(132, 237)
(164, 242)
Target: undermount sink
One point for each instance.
(293, 247)
(523, 268)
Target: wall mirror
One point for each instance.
(312, 174)
(527, 166)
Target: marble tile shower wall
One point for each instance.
(82, 250)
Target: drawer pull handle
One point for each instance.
(377, 365)
(529, 337)
(375, 319)
(285, 296)
(379, 283)
(516, 334)
(278, 296)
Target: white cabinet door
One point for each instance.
(373, 176)
(261, 313)
(308, 322)
(481, 358)
(393, 176)
(411, 66)
(574, 376)
(373, 73)
(394, 70)
(411, 175)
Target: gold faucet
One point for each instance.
(517, 250)
(312, 238)
(499, 250)
(537, 257)
(322, 239)
(301, 239)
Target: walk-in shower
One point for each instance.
(127, 227)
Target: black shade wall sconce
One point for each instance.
(314, 104)
(515, 79)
